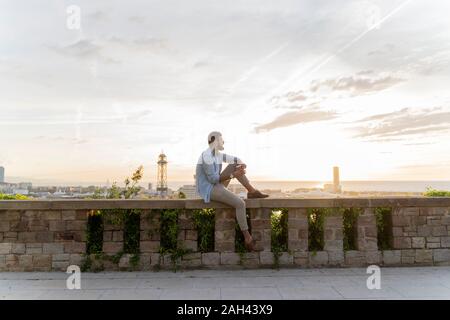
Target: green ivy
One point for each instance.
(350, 217)
(94, 234)
(384, 228)
(204, 221)
(279, 234)
(316, 218)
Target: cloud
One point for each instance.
(83, 49)
(404, 123)
(359, 84)
(303, 115)
(295, 96)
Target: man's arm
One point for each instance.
(230, 159)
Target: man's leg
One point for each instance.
(222, 194)
(242, 179)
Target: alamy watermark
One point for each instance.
(74, 280)
(374, 280)
(73, 21)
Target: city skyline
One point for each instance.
(296, 88)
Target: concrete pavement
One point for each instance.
(342, 283)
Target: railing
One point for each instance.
(41, 235)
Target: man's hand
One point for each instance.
(239, 172)
(242, 165)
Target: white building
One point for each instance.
(190, 191)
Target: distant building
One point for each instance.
(25, 185)
(2, 174)
(335, 187)
(190, 191)
(161, 184)
(150, 186)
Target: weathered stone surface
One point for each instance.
(149, 246)
(424, 256)
(297, 229)
(229, 258)
(18, 248)
(112, 247)
(53, 248)
(5, 248)
(75, 247)
(445, 242)
(192, 256)
(211, 258)
(392, 257)
(286, 259)
(42, 260)
(418, 242)
(61, 257)
(402, 242)
(355, 258)
(319, 258)
(156, 259)
(266, 258)
(76, 259)
(441, 255)
(33, 248)
(224, 230)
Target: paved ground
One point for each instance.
(396, 283)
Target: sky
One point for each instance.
(90, 90)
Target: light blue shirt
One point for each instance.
(207, 173)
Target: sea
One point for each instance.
(357, 186)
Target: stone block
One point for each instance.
(33, 248)
(392, 257)
(441, 255)
(424, 256)
(5, 248)
(286, 259)
(53, 248)
(42, 261)
(229, 258)
(266, 258)
(211, 258)
(319, 258)
(402, 242)
(149, 246)
(75, 247)
(45, 236)
(18, 248)
(418, 242)
(445, 242)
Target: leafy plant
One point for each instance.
(316, 218)
(384, 228)
(279, 235)
(13, 197)
(436, 193)
(204, 221)
(350, 216)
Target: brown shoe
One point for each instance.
(250, 246)
(256, 194)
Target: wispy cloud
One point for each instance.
(303, 115)
(404, 123)
(359, 84)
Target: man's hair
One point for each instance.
(213, 136)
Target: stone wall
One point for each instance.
(51, 235)
(41, 240)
